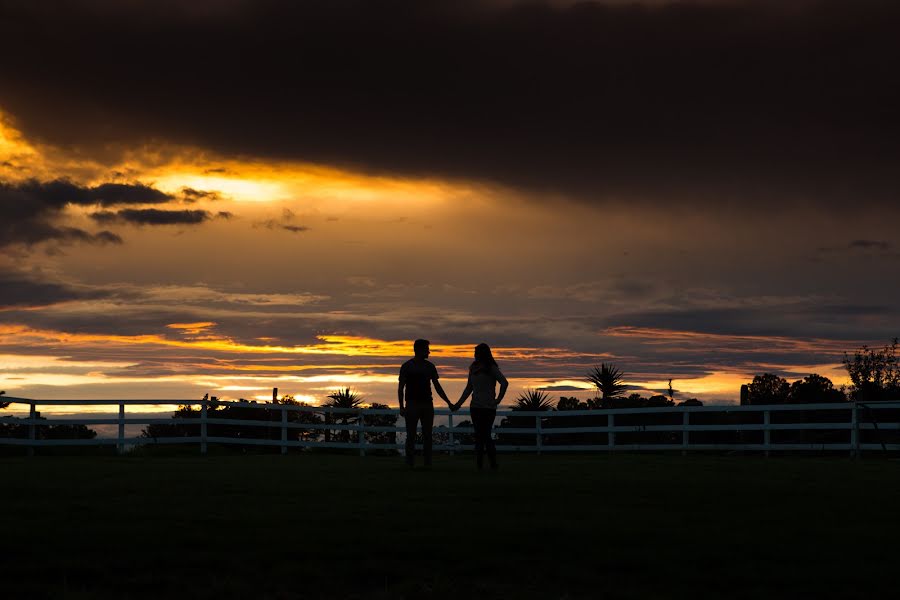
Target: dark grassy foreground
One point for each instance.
(543, 527)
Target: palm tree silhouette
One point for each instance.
(343, 398)
(533, 400)
(608, 381)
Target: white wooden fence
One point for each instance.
(858, 423)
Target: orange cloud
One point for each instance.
(726, 342)
(341, 345)
(192, 328)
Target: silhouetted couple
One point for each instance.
(414, 394)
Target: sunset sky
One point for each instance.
(225, 196)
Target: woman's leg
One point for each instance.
(489, 416)
(478, 422)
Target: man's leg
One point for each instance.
(411, 418)
(426, 414)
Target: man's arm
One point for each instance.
(441, 392)
(400, 392)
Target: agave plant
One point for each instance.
(533, 400)
(342, 398)
(608, 381)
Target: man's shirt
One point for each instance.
(417, 374)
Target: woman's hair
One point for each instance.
(484, 359)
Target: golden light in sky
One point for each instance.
(339, 254)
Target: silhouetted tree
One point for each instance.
(466, 439)
(529, 400)
(184, 411)
(571, 403)
(305, 417)
(269, 428)
(814, 389)
(768, 389)
(633, 400)
(690, 402)
(3, 404)
(381, 437)
(344, 398)
(67, 432)
(12, 427)
(608, 380)
(875, 373)
(439, 436)
(536, 400)
(659, 400)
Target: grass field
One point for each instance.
(316, 526)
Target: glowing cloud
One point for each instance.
(343, 345)
(192, 328)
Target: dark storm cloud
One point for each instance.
(878, 249)
(744, 102)
(20, 291)
(29, 210)
(192, 195)
(33, 197)
(112, 194)
(809, 319)
(870, 245)
(153, 216)
(285, 223)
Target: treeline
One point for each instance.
(227, 421)
(12, 427)
(874, 377)
(873, 372)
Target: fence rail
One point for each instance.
(850, 427)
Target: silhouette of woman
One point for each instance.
(483, 377)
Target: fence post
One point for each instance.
(611, 436)
(767, 435)
(203, 436)
(121, 445)
(284, 421)
(685, 435)
(450, 423)
(854, 431)
(32, 415)
(537, 434)
(361, 433)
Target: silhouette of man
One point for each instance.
(416, 376)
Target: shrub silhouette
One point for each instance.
(875, 373)
(608, 379)
(529, 400)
